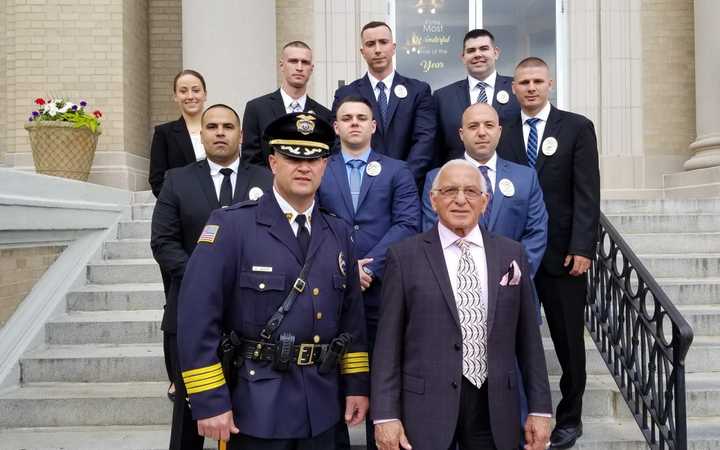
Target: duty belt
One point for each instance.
(302, 355)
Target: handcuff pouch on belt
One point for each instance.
(283, 352)
(228, 355)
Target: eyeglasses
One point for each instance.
(471, 192)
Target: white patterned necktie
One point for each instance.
(473, 317)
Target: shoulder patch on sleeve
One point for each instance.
(208, 234)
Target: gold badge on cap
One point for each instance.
(373, 169)
(341, 264)
(549, 146)
(503, 97)
(305, 124)
(506, 187)
(255, 193)
(400, 91)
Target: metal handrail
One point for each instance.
(641, 336)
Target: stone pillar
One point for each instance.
(232, 43)
(706, 147)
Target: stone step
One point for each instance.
(704, 319)
(135, 229)
(683, 206)
(147, 437)
(94, 363)
(105, 327)
(673, 242)
(127, 249)
(116, 297)
(691, 291)
(143, 211)
(83, 404)
(124, 271)
(703, 394)
(666, 223)
(689, 265)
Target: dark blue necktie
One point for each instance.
(382, 103)
(303, 235)
(355, 179)
(482, 95)
(226, 193)
(532, 144)
(485, 219)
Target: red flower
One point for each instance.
(97, 114)
(39, 101)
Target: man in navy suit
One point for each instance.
(188, 196)
(375, 195)
(458, 314)
(402, 106)
(516, 209)
(562, 148)
(483, 84)
(296, 67)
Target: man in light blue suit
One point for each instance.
(516, 209)
(376, 196)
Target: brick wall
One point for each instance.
(165, 28)
(135, 77)
(20, 269)
(668, 76)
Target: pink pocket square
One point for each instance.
(513, 275)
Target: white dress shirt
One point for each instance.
(198, 147)
(543, 116)
(388, 80)
(217, 177)
(288, 101)
(491, 165)
(474, 90)
(291, 213)
(452, 254)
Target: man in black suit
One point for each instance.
(402, 106)
(562, 147)
(482, 84)
(186, 200)
(296, 66)
(457, 312)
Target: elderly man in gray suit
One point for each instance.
(457, 310)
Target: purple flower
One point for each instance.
(35, 113)
(74, 107)
(83, 103)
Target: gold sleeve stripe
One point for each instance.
(354, 365)
(356, 355)
(352, 360)
(351, 371)
(204, 382)
(206, 387)
(202, 376)
(189, 373)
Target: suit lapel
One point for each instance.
(270, 214)
(394, 100)
(517, 142)
(462, 92)
(552, 128)
(319, 231)
(277, 105)
(206, 183)
(367, 180)
(494, 273)
(339, 173)
(241, 183)
(182, 138)
(501, 84)
(436, 258)
(366, 91)
(498, 196)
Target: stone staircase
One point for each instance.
(98, 379)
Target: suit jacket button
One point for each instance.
(316, 292)
(458, 347)
(356, 227)
(261, 286)
(252, 372)
(454, 385)
(318, 315)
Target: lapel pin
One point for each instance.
(503, 97)
(341, 264)
(506, 187)
(549, 146)
(373, 169)
(255, 193)
(400, 91)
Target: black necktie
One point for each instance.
(485, 219)
(226, 193)
(303, 235)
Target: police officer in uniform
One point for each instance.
(276, 281)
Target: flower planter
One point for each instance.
(61, 149)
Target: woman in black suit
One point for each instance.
(177, 143)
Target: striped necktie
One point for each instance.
(482, 95)
(532, 144)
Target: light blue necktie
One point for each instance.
(485, 219)
(482, 95)
(382, 103)
(356, 166)
(532, 145)
(295, 107)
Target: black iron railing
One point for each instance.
(642, 338)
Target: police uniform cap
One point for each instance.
(300, 135)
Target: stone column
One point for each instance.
(232, 43)
(706, 147)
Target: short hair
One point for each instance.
(194, 73)
(219, 105)
(374, 24)
(532, 61)
(298, 44)
(353, 99)
(478, 33)
(458, 163)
